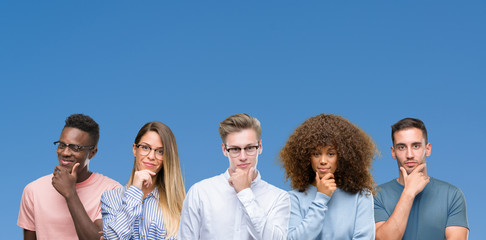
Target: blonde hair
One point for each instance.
(169, 179)
(238, 122)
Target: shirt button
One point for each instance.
(143, 236)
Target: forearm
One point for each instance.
(395, 226)
(85, 228)
(309, 226)
(456, 233)
(274, 225)
(29, 235)
(120, 212)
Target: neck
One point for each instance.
(83, 176)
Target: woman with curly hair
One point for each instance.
(328, 160)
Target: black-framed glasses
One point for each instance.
(236, 151)
(145, 150)
(72, 147)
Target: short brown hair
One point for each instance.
(408, 123)
(239, 122)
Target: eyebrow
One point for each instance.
(150, 145)
(403, 144)
(248, 145)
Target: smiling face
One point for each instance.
(242, 139)
(149, 161)
(410, 148)
(324, 160)
(67, 157)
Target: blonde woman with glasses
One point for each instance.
(149, 207)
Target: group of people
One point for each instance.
(327, 160)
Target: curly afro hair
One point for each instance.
(355, 151)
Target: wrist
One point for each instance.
(409, 194)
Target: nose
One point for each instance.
(66, 151)
(323, 160)
(151, 154)
(409, 153)
(243, 155)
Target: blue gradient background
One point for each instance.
(190, 64)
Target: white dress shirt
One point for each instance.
(213, 210)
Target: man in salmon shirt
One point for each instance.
(66, 203)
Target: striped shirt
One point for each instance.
(127, 215)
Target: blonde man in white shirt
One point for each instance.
(237, 204)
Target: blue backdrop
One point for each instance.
(190, 64)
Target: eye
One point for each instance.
(251, 148)
(401, 147)
(316, 154)
(416, 146)
(75, 147)
(332, 154)
(145, 147)
(62, 145)
(234, 150)
(160, 151)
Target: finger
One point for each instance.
(251, 173)
(328, 176)
(317, 177)
(419, 168)
(73, 171)
(403, 171)
(149, 172)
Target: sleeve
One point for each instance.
(310, 225)
(26, 218)
(190, 216)
(364, 227)
(457, 215)
(380, 212)
(112, 185)
(120, 212)
(272, 226)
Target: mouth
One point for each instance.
(66, 162)
(323, 170)
(147, 164)
(411, 164)
(244, 165)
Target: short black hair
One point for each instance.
(84, 123)
(407, 123)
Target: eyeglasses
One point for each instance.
(72, 147)
(236, 151)
(145, 150)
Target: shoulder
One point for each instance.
(439, 186)
(207, 184)
(392, 185)
(39, 184)
(113, 193)
(442, 184)
(305, 194)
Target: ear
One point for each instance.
(260, 149)
(428, 149)
(92, 153)
(392, 149)
(223, 147)
(134, 148)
